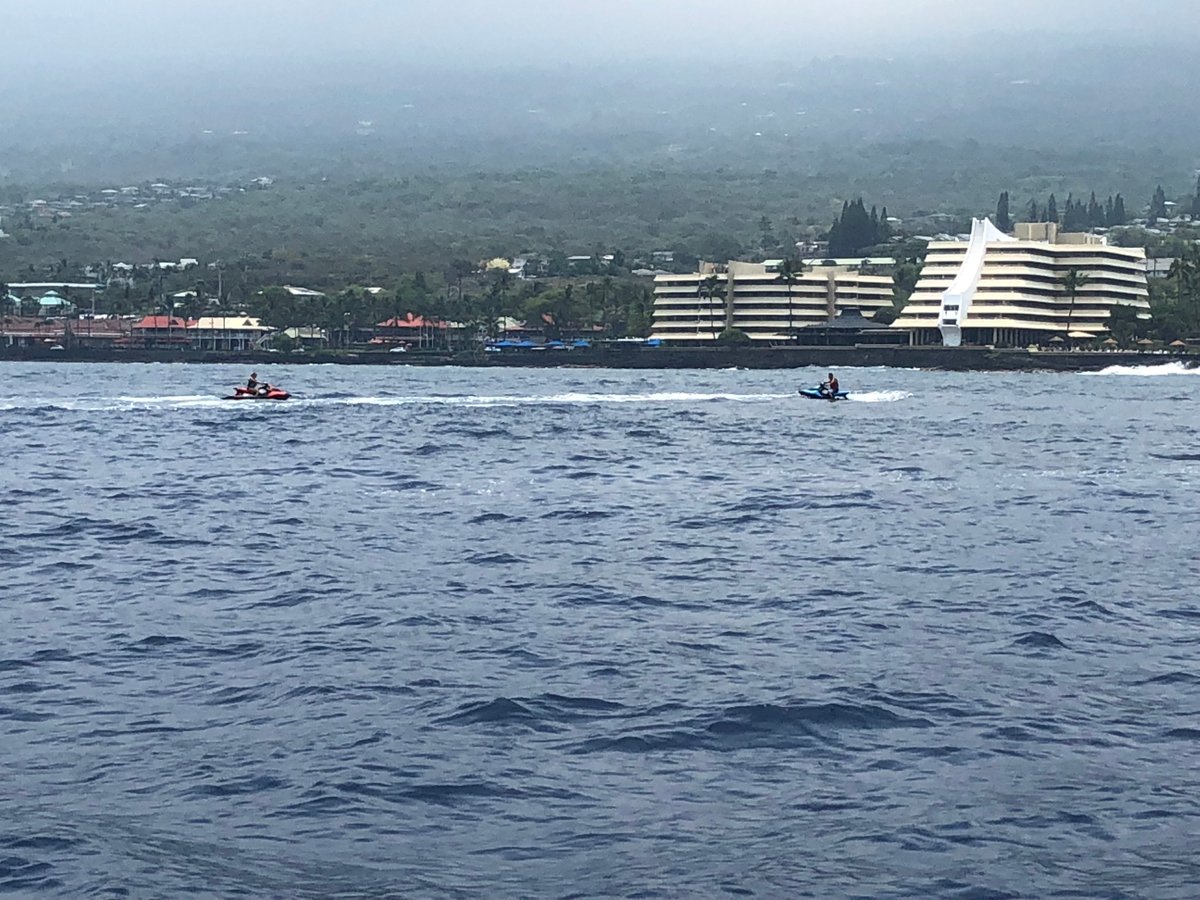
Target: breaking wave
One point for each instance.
(1148, 371)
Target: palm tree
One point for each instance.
(1186, 272)
(789, 273)
(498, 299)
(1072, 282)
(709, 289)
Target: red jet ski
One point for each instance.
(271, 393)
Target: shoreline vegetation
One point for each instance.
(960, 359)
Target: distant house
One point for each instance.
(517, 330)
(231, 333)
(308, 338)
(812, 248)
(1159, 267)
(868, 265)
(51, 304)
(28, 331)
(188, 263)
(301, 291)
(99, 332)
(161, 332)
(410, 330)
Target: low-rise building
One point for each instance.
(231, 333)
(755, 299)
(30, 331)
(410, 330)
(1159, 267)
(161, 331)
(302, 292)
(308, 337)
(53, 304)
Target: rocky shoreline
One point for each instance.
(960, 359)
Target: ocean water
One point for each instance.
(584, 633)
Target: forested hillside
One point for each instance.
(380, 172)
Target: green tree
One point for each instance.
(766, 235)
(1074, 215)
(790, 271)
(1158, 205)
(711, 289)
(1124, 324)
(1118, 217)
(1072, 282)
(854, 231)
(904, 277)
(1003, 219)
(733, 337)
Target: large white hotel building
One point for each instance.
(752, 298)
(1013, 291)
(991, 289)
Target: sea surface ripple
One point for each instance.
(578, 633)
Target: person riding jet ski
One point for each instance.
(829, 388)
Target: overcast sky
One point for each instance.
(126, 33)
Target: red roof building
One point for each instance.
(162, 331)
(410, 329)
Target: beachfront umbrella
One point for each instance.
(1111, 342)
(1057, 339)
(1145, 342)
(1179, 343)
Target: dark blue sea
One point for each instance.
(595, 633)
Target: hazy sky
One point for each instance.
(126, 33)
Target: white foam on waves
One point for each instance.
(581, 399)
(1150, 371)
(878, 396)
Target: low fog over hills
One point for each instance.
(549, 114)
(396, 116)
(224, 88)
